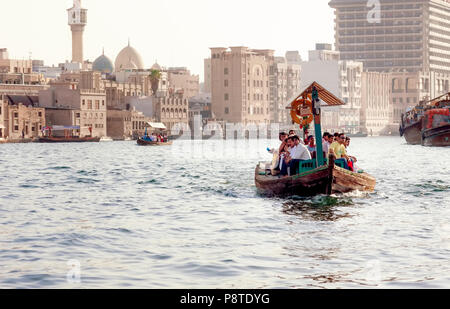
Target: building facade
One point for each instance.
(181, 79)
(343, 79)
(376, 100)
(240, 84)
(409, 39)
(20, 117)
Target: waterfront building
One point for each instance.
(285, 75)
(409, 39)
(172, 110)
(20, 117)
(207, 77)
(343, 79)
(240, 84)
(181, 79)
(87, 106)
(376, 107)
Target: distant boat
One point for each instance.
(106, 139)
(68, 140)
(146, 140)
(143, 142)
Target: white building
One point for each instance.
(343, 79)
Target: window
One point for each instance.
(97, 104)
(225, 71)
(78, 115)
(84, 102)
(226, 83)
(0, 110)
(16, 128)
(16, 115)
(227, 110)
(103, 102)
(89, 104)
(39, 114)
(227, 97)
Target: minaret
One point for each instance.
(77, 22)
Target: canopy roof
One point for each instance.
(326, 96)
(2, 126)
(157, 125)
(61, 128)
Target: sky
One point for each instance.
(171, 32)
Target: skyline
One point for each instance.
(188, 50)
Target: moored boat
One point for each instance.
(428, 123)
(68, 140)
(436, 131)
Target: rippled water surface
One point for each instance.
(188, 216)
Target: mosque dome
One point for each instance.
(156, 66)
(103, 64)
(128, 59)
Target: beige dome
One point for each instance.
(128, 59)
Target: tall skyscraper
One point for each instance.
(392, 35)
(77, 23)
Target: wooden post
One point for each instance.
(331, 160)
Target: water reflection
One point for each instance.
(319, 208)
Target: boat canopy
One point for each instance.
(2, 126)
(157, 125)
(326, 96)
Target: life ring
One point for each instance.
(296, 111)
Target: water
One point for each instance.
(115, 215)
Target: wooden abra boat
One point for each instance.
(147, 141)
(311, 181)
(142, 142)
(318, 176)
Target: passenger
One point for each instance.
(326, 142)
(352, 159)
(297, 152)
(292, 133)
(338, 149)
(312, 147)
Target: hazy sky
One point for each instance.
(174, 32)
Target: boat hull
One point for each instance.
(68, 140)
(325, 180)
(437, 137)
(142, 142)
(413, 134)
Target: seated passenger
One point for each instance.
(297, 152)
(326, 142)
(312, 147)
(338, 149)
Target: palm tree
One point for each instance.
(155, 77)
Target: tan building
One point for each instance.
(12, 65)
(207, 77)
(88, 105)
(376, 102)
(172, 110)
(20, 118)
(240, 84)
(181, 79)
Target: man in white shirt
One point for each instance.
(297, 153)
(326, 143)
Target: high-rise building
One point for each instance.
(409, 39)
(410, 35)
(77, 22)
